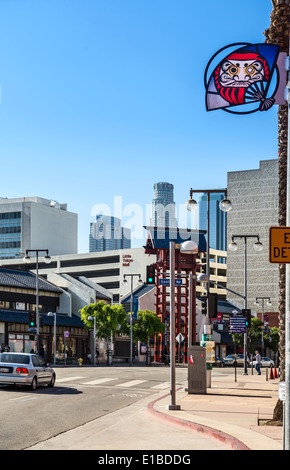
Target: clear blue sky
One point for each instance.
(104, 98)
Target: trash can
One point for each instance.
(196, 370)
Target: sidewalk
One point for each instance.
(229, 413)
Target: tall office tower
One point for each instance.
(163, 206)
(254, 196)
(217, 220)
(108, 234)
(31, 223)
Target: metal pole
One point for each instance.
(190, 296)
(263, 327)
(173, 405)
(94, 341)
(54, 340)
(131, 323)
(37, 304)
(287, 293)
(245, 304)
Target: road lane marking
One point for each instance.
(161, 386)
(23, 398)
(69, 379)
(131, 383)
(98, 381)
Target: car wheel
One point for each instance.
(33, 383)
(52, 382)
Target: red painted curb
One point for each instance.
(215, 433)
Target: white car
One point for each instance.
(25, 369)
(265, 362)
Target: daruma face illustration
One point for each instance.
(236, 71)
(243, 77)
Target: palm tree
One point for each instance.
(278, 33)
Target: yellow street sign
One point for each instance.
(279, 245)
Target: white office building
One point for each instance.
(31, 223)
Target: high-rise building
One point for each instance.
(30, 223)
(108, 234)
(254, 195)
(163, 206)
(217, 220)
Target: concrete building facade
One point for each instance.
(36, 223)
(254, 196)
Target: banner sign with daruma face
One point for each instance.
(246, 79)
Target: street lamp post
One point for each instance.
(53, 314)
(225, 205)
(258, 246)
(27, 259)
(131, 307)
(269, 305)
(94, 353)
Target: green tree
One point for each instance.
(272, 340)
(147, 325)
(254, 333)
(109, 319)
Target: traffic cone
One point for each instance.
(271, 373)
(275, 373)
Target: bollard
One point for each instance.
(266, 374)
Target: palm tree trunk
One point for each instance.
(278, 33)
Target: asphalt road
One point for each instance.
(81, 394)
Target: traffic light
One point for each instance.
(204, 304)
(32, 319)
(150, 274)
(212, 305)
(247, 313)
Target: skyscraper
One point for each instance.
(108, 234)
(217, 220)
(163, 206)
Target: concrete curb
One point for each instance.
(223, 437)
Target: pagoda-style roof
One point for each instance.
(158, 238)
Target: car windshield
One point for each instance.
(14, 358)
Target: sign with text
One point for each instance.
(238, 324)
(279, 245)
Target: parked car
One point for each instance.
(219, 361)
(230, 360)
(25, 369)
(265, 362)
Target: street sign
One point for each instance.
(279, 245)
(210, 350)
(238, 324)
(179, 338)
(282, 391)
(166, 282)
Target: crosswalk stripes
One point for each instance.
(98, 381)
(132, 383)
(161, 386)
(69, 379)
(108, 381)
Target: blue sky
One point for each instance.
(104, 98)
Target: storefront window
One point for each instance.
(70, 344)
(21, 343)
